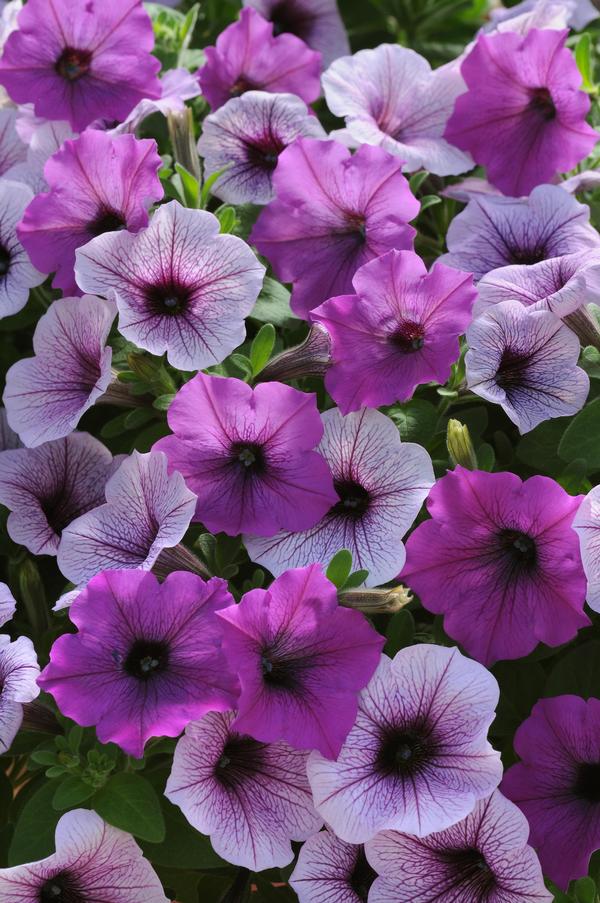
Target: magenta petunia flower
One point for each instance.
(246, 138)
(92, 860)
(316, 22)
(493, 232)
(483, 859)
(500, 561)
(8, 604)
(18, 673)
(329, 870)
(135, 669)
(81, 60)
(390, 97)
(97, 184)
(46, 488)
(587, 525)
(301, 660)
(46, 395)
(17, 275)
(248, 57)
(176, 86)
(180, 285)
(399, 330)
(251, 798)
(145, 511)
(557, 783)
(417, 759)
(381, 484)
(523, 115)
(526, 361)
(333, 212)
(248, 455)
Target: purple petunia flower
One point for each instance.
(523, 115)
(8, 604)
(97, 184)
(390, 97)
(136, 669)
(248, 455)
(500, 561)
(18, 672)
(17, 275)
(145, 512)
(526, 361)
(81, 60)
(399, 330)
(493, 232)
(587, 525)
(316, 22)
(333, 212)
(557, 783)
(301, 660)
(248, 57)
(46, 488)
(46, 395)
(483, 858)
(251, 798)
(246, 138)
(180, 285)
(417, 759)
(329, 870)
(92, 860)
(381, 484)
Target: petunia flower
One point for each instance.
(249, 57)
(523, 115)
(329, 870)
(417, 759)
(180, 285)
(135, 669)
(46, 395)
(587, 525)
(97, 184)
(526, 361)
(48, 487)
(17, 274)
(44, 139)
(390, 97)
(81, 61)
(8, 604)
(493, 232)
(248, 455)
(399, 330)
(301, 660)
(92, 860)
(557, 783)
(316, 22)
(13, 151)
(18, 672)
(578, 13)
(176, 86)
(145, 512)
(485, 857)
(333, 212)
(500, 561)
(381, 484)
(246, 138)
(251, 798)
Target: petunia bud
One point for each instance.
(376, 601)
(460, 446)
(311, 358)
(181, 132)
(585, 327)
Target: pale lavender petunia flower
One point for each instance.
(381, 483)
(8, 437)
(43, 139)
(317, 22)
(46, 395)
(13, 150)
(181, 287)
(93, 862)
(46, 488)
(526, 361)
(483, 859)
(493, 232)
(329, 870)
(17, 274)
(576, 13)
(18, 674)
(251, 798)
(177, 86)
(246, 137)
(417, 759)
(7, 604)
(390, 97)
(146, 511)
(587, 525)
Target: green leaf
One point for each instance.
(582, 437)
(576, 672)
(486, 457)
(584, 890)
(356, 579)
(262, 348)
(70, 793)
(138, 417)
(273, 304)
(191, 186)
(416, 420)
(339, 568)
(227, 218)
(521, 685)
(583, 58)
(241, 362)
(44, 757)
(429, 200)
(163, 402)
(400, 632)
(417, 180)
(34, 832)
(208, 185)
(538, 449)
(129, 802)
(183, 847)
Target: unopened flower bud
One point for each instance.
(460, 447)
(376, 601)
(585, 327)
(179, 558)
(183, 142)
(311, 358)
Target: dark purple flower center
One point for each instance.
(61, 888)
(362, 876)
(264, 154)
(354, 499)
(72, 64)
(512, 369)
(249, 457)
(168, 298)
(146, 659)
(405, 752)
(288, 16)
(241, 85)
(471, 869)
(408, 337)
(278, 672)
(541, 103)
(587, 782)
(106, 220)
(60, 509)
(241, 759)
(520, 255)
(5, 258)
(356, 226)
